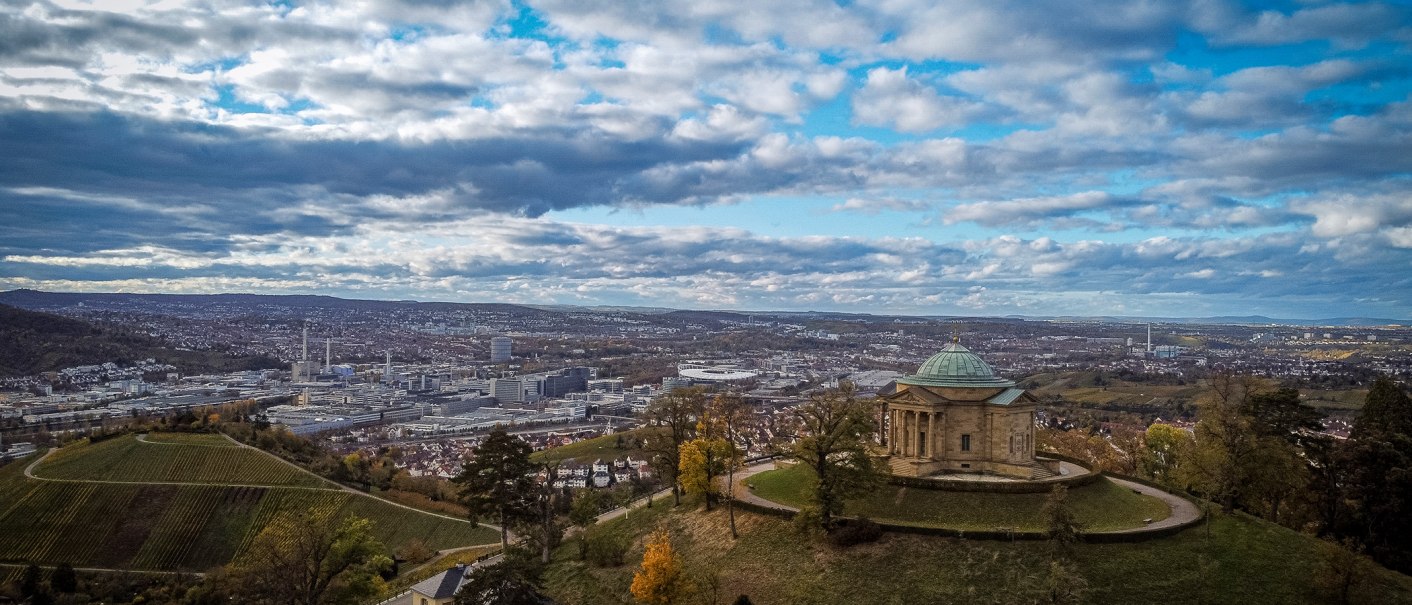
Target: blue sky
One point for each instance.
(889, 156)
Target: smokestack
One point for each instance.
(1149, 338)
(328, 355)
(304, 357)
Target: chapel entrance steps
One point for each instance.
(901, 466)
(1040, 473)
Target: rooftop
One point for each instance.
(955, 366)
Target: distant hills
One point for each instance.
(38, 300)
(1248, 320)
(32, 342)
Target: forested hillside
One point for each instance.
(32, 342)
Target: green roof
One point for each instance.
(955, 366)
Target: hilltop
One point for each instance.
(1236, 559)
(181, 502)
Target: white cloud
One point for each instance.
(890, 98)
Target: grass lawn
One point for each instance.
(1099, 506)
(605, 447)
(1342, 399)
(1244, 561)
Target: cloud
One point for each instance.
(222, 144)
(873, 206)
(1030, 210)
(890, 98)
(1349, 25)
(489, 257)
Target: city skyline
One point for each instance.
(970, 158)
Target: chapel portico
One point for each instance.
(955, 415)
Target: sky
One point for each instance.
(972, 157)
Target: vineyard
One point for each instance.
(153, 526)
(191, 459)
(206, 439)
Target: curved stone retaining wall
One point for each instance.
(1002, 487)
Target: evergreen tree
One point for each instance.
(497, 483)
(1281, 414)
(514, 580)
(1376, 472)
(1387, 410)
(1062, 526)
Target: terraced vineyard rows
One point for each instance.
(206, 439)
(178, 527)
(130, 460)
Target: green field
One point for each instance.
(133, 525)
(127, 459)
(1098, 506)
(605, 447)
(1244, 561)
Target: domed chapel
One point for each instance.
(956, 416)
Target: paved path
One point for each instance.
(1183, 510)
(143, 438)
(107, 570)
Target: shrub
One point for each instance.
(415, 551)
(607, 549)
(859, 531)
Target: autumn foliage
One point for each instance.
(661, 579)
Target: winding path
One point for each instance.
(1183, 510)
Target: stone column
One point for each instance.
(911, 427)
(892, 430)
(931, 435)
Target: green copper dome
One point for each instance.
(955, 366)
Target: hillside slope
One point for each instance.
(176, 506)
(1243, 561)
(32, 342)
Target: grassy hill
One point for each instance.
(167, 458)
(1241, 561)
(1098, 506)
(105, 505)
(605, 447)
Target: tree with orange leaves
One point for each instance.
(661, 579)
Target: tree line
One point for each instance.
(1257, 448)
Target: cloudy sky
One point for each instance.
(892, 156)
